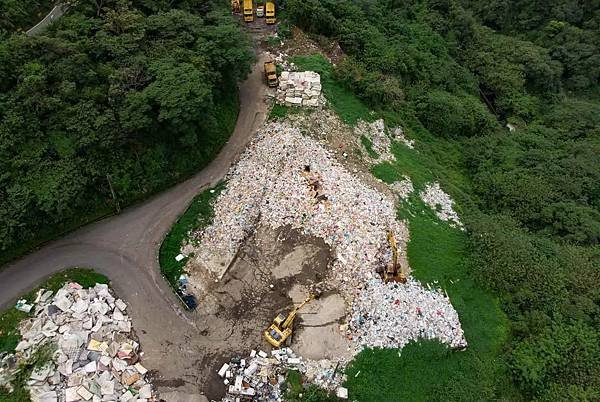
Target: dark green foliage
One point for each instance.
(196, 216)
(448, 115)
(133, 98)
(530, 198)
(18, 15)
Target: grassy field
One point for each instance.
(438, 254)
(9, 327)
(346, 105)
(198, 214)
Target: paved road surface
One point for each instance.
(52, 16)
(125, 248)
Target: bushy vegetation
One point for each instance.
(198, 215)
(115, 97)
(17, 15)
(453, 74)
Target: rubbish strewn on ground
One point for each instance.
(261, 376)
(441, 203)
(96, 353)
(285, 178)
(403, 188)
(299, 89)
(376, 133)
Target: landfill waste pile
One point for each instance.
(399, 136)
(285, 178)
(261, 377)
(441, 203)
(403, 188)
(377, 134)
(389, 316)
(300, 89)
(96, 355)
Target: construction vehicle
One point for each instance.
(248, 11)
(393, 272)
(270, 12)
(271, 73)
(260, 11)
(235, 6)
(281, 329)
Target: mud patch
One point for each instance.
(255, 288)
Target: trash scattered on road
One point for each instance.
(441, 203)
(300, 89)
(97, 355)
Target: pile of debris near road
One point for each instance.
(261, 377)
(300, 89)
(94, 352)
(285, 178)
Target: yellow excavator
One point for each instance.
(393, 272)
(281, 329)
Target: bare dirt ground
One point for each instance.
(256, 287)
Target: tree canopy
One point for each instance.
(115, 95)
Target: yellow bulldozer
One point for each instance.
(281, 329)
(271, 73)
(394, 271)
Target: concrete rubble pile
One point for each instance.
(285, 178)
(441, 203)
(300, 89)
(390, 316)
(261, 377)
(96, 357)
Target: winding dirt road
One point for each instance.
(125, 248)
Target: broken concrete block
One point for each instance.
(84, 393)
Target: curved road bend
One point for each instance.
(52, 16)
(125, 248)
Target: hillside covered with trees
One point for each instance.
(455, 72)
(130, 95)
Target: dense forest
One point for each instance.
(460, 70)
(116, 96)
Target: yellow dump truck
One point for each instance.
(271, 73)
(248, 11)
(270, 12)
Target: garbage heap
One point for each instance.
(260, 377)
(285, 178)
(389, 316)
(378, 137)
(438, 200)
(302, 88)
(96, 355)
